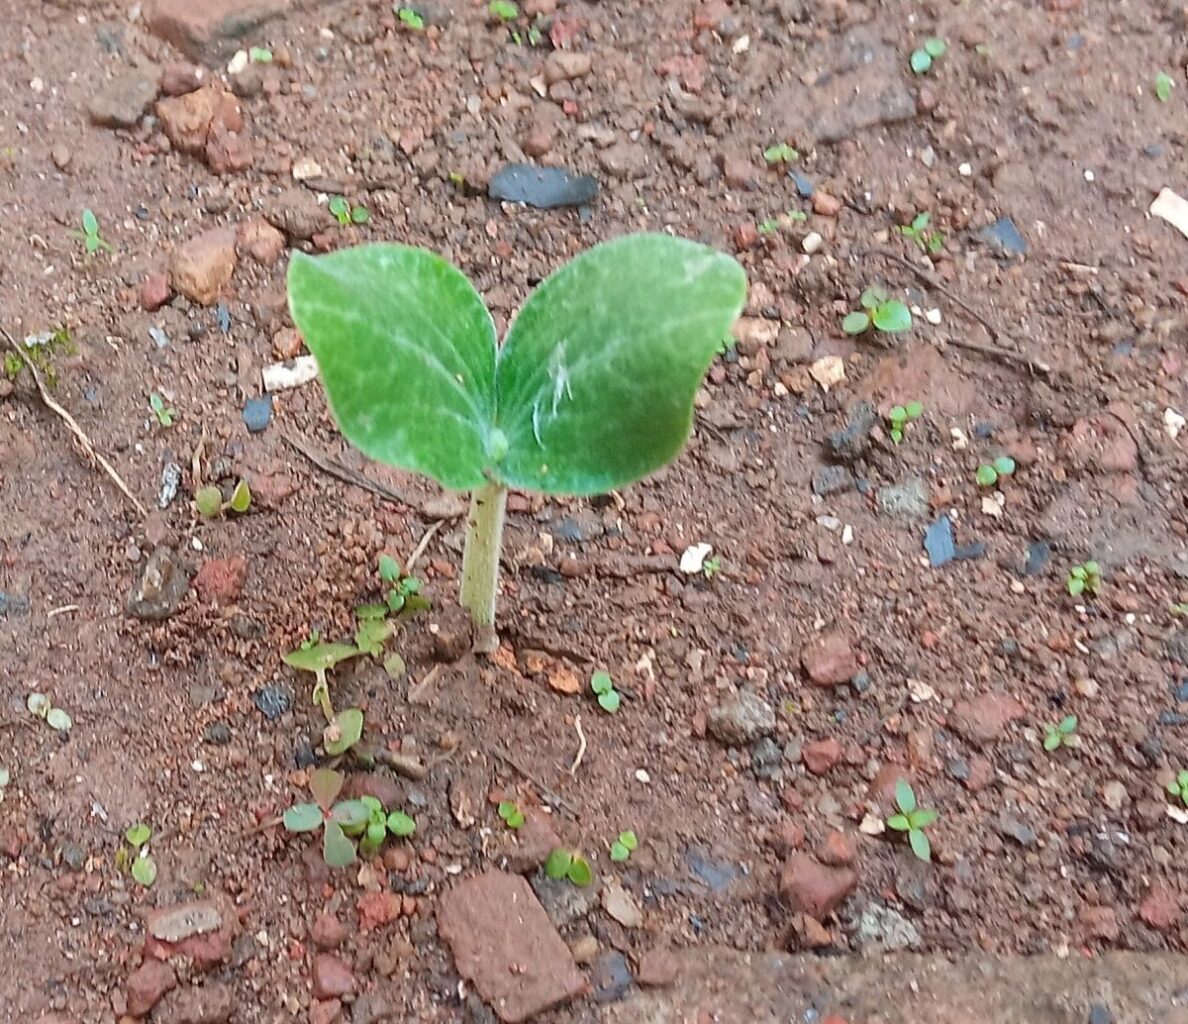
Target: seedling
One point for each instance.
(592, 389)
(780, 154)
(990, 473)
(40, 350)
(1163, 86)
(374, 629)
(623, 847)
(608, 697)
(930, 241)
(511, 814)
(1179, 786)
(163, 413)
(209, 500)
(319, 658)
(40, 706)
(325, 784)
(404, 594)
(1084, 579)
(346, 214)
(878, 308)
(134, 858)
(91, 239)
(503, 11)
(260, 55)
(785, 219)
(563, 863)
(343, 731)
(410, 18)
(933, 49)
(912, 820)
(711, 567)
(372, 829)
(1062, 734)
(901, 415)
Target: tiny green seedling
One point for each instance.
(325, 784)
(990, 473)
(209, 500)
(1179, 610)
(343, 731)
(880, 310)
(503, 11)
(780, 154)
(373, 827)
(1062, 734)
(563, 863)
(1179, 786)
(374, 629)
(591, 390)
(1163, 86)
(134, 858)
(901, 415)
(912, 820)
(164, 414)
(511, 814)
(922, 59)
(410, 19)
(40, 706)
(608, 697)
(1084, 579)
(91, 239)
(623, 847)
(260, 55)
(319, 658)
(40, 350)
(404, 593)
(346, 214)
(711, 567)
(930, 241)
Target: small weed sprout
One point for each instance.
(40, 350)
(503, 11)
(319, 659)
(923, 58)
(260, 55)
(343, 731)
(1163, 86)
(1084, 579)
(780, 155)
(209, 500)
(608, 697)
(711, 567)
(912, 820)
(345, 214)
(325, 784)
(89, 236)
(410, 19)
(623, 847)
(1179, 786)
(164, 414)
(511, 814)
(930, 241)
(564, 863)
(901, 415)
(1062, 734)
(134, 858)
(404, 593)
(880, 310)
(40, 706)
(990, 473)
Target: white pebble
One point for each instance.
(965, 170)
(1090, 176)
(812, 242)
(642, 776)
(238, 62)
(933, 316)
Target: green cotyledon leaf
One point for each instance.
(406, 351)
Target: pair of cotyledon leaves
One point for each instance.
(592, 389)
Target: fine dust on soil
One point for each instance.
(1043, 113)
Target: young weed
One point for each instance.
(912, 820)
(345, 214)
(1163, 86)
(880, 311)
(609, 698)
(923, 58)
(89, 235)
(410, 19)
(990, 473)
(930, 242)
(404, 592)
(901, 415)
(711, 567)
(1178, 787)
(260, 55)
(565, 863)
(1084, 579)
(780, 155)
(624, 846)
(210, 504)
(164, 414)
(134, 858)
(503, 11)
(1062, 734)
(511, 814)
(41, 350)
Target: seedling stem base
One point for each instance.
(480, 561)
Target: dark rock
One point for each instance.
(162, 585)
(804, 187)
(741, 719)
(831, 480)
(1003, 237)
(766, 756)
(853, 439)
(1039, 554)
(543, 187)
(941, 548)
(1176, 646)
(711, 871)
(273, 700)
(1099, 1014)
(1012, 828)
(13, 604)
(74, 856)
(610, 978)
(217, 734)
(257, 412)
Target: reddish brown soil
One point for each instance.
(1051, 107)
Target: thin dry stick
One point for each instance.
(996, 333)
(78, 432)
(344, 473)
(424, 543)
(577, 761)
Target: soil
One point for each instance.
(860, 662)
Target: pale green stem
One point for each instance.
(480, 560)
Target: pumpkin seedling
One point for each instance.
(163, 413)
(608, 697)
(990, 473)
(346, 214)
(623, 847)
(503, 11)
(930, 241)
(91, 239)
(1163, 86)
(880, 310)
(410, 19)
(324, 785)
(592, 389)
(564, 863)
(779, 154)
(912, 820)
(1062, 734)
(319, 658)
(901, 415)
(1179, 786)
(922, 59)
(40, 706)
(1084, 579)
(511, 814)
(209, 500)
(134, 858)
(404, 593)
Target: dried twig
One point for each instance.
(577, 761)
(80, 435)
(401, 764)
(422, 545)
(344, 473)
(419, 694)
(997, 333)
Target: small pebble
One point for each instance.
(257, 413)
(273, 700)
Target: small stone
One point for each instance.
(821, 755)
(620, 905)
(1161, 909)
(983, 719)
(565, 65)
(838, 850)
(829, 660)
(738, 171)
(815, 889)
(813, 243)
(1099, 923)
(202, 267)
(887, 929)
(1003, 237)
(1114, 794)
(328, 932)
(830, 480)
(584, 949)
(852, 441)
(332, 977)
(162, 586)
(122, 101)
(61, 155)
(766, 757)
(220, 580)
(753, 333)
(1012, 828)
(908, 500)
(741, 719)
(273, 700)
(610, 978)
(179, 78)
(658, 967)
(217, 734)
(257, 413)
(261, 241)
(155, 292)
(825, 204)
(287, 343)
(326, 1011)
(212, 1003)
(212, 30)
(793, 344)
(147, 984)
